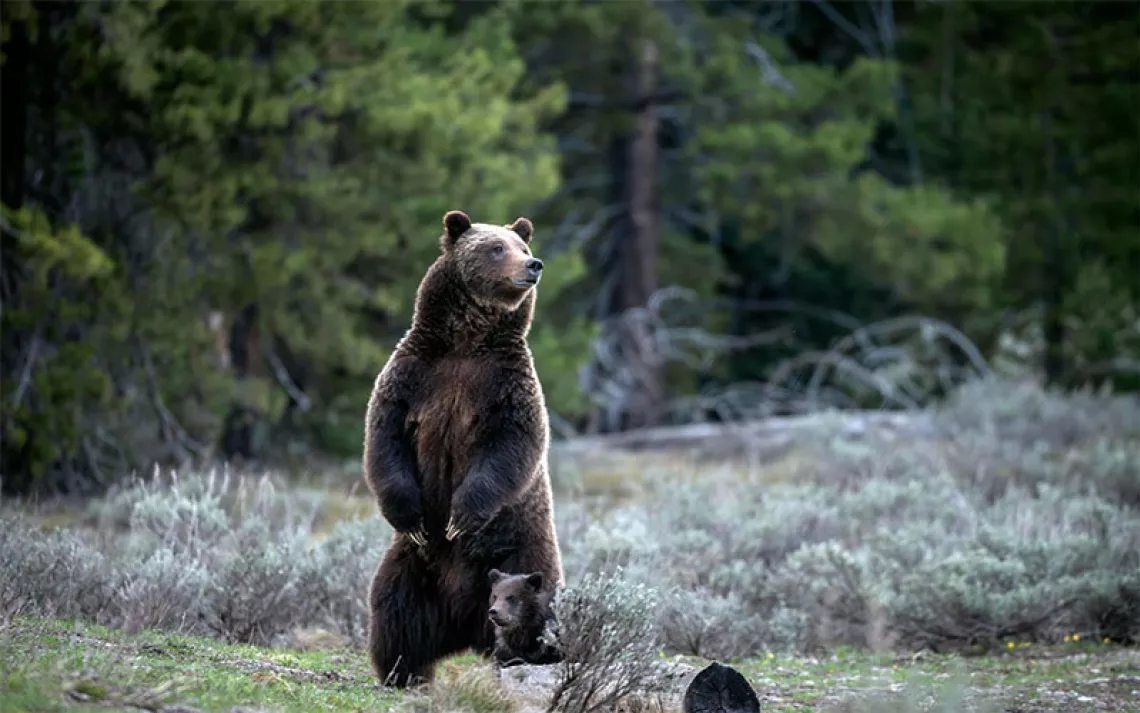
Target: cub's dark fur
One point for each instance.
(522, 613)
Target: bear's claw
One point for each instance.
(418, 537)
(453, 530)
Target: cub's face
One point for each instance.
(494, 262)
(514, 598)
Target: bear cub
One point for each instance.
(521, 612)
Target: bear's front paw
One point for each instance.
(402, 508)
(418, 536)
(453, 529)
(460, 524)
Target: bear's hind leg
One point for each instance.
(406, 634)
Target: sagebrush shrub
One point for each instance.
(609, 639)
(55, 574)
(1023, 412)
(717, 626)
(1011, 512)
(162, 589)
(198, 554)
(993, 522)
(256, 592)
(339, 573)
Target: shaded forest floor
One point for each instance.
(52, 666)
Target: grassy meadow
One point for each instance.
(981, 557)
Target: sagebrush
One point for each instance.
(1015, 516)
(609, 643)
(232, 558)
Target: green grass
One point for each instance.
(54, 666)
(1027, 679)
(65, 666)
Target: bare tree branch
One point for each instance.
(286, 381)
(768, 68)
(29, 366)
(899, 363)
(182, 442)
(569, 235)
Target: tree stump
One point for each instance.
(720, 689)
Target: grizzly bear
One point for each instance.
(455, 452)
(522, 614)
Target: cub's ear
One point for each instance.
(495, 575)
(535, 581)
(455, 223)
(524, 228)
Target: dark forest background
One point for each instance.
(215, 215)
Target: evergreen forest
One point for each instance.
(215, 214)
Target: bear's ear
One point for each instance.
(524, 228)
(456, 223)
(535, 581)
(495, 575)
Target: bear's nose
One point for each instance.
(534, 266)
(493, 612)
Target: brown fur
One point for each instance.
(455, 452)
(521, 611)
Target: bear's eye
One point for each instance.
(511, 599)
(497, 250)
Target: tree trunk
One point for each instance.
(629, 260)
(237, 429)
(639, 263)
(639, 252)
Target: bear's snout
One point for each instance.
(531, 272)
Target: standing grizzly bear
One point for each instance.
(522, 612)
(455, 451)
